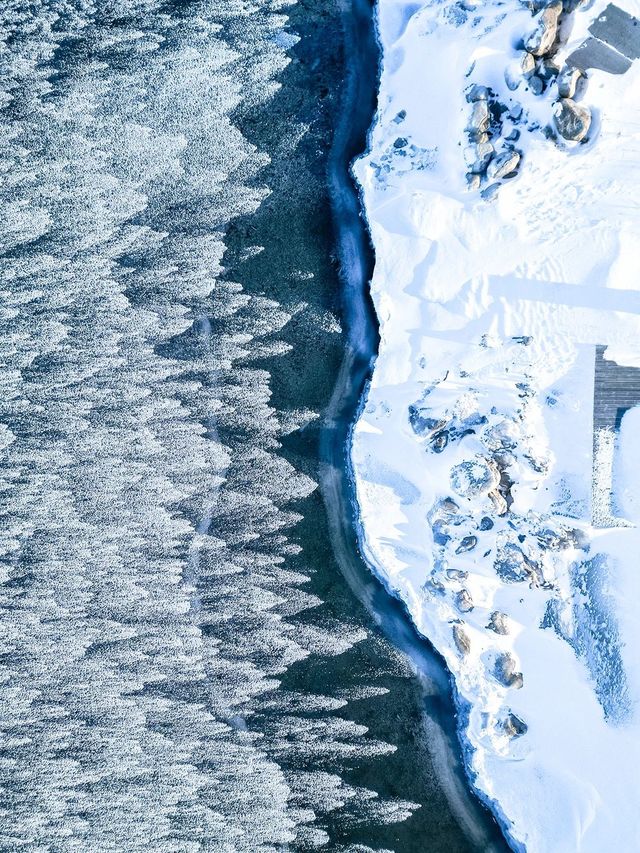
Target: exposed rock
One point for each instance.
(568, 81)
(504, 164)
(439, 441)
(548, 68)
(505, 671)
(449, 506)
(525, 390)
(541, 466)
(484, 149)
(475, 477)
(499, 503)
(542, 38)
(486, 523)
(423, 424)
(439, 530)
(515, 112)
(477, 93)
(512, 565)
(457, 574)
(467, 544)
(513, 135)
(498, 622)
(461, 639)
(504, 458)
(506, 484)
(517, 680)
(464, 602)
(473, 181)
(537, 5)
(527, 63)
(557, 540)
(484, 152)
(434, 586)
(572, 120)
(480, 118)
(490, 192)
(514, 726)
(536, 84)
(442, 518)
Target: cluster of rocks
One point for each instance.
(513, 564)
(538, 66)
(514, 727)
(505, 671)
(402, 155)
(485, 164)
(483, 476)
(476, 521)
(440, 432)
(499, 623)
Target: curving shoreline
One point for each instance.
(486, 503)
(356, 259)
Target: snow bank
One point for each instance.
(480, 502)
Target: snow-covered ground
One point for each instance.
(473, 455)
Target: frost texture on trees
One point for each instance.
(143, 559)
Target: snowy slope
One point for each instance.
(473, 455)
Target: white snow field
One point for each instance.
(481, 504)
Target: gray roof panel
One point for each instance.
(595, 54)
(618, 29)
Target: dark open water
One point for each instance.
(336, 63)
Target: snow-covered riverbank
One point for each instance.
(473, 455)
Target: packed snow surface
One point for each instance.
(489, 503)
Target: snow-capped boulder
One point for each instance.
(568, 81)
(504, 164)
(543, 37)
(572, 120)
